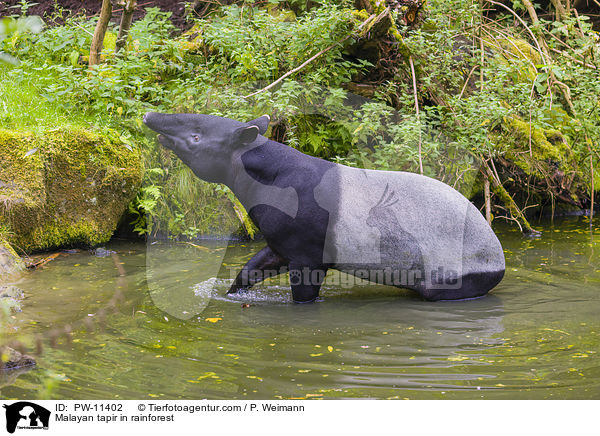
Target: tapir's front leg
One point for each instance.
(306, 281)
(264, 264)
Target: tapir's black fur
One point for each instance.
(294, 242)
(278, 184)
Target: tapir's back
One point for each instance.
(407, 222)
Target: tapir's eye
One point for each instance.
(196, 138)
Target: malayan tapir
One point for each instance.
(393, 228)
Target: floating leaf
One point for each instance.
(213, 319)
(458, 358)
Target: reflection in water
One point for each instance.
(176, 333)
(173, 269)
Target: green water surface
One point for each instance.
(166, 330)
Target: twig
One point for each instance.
(524, 25)
(488, 199)
(557, 38)
(578, 23)
(593, 188)
(515, 212)
(466, 82)
(414, 78)
(592, 177)
(530, 134)
(511, 218)
(566, 94)
(298, 68)
(82, 28)
(481, 72)
(507, 38)
(562, 53)
(496, 176)
(497, 47)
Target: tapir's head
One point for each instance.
(205, 143)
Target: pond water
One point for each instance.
(173, 334)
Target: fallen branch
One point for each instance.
(562, 53)
(322, 52)
(43, 261)
(514, 210)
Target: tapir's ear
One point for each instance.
(246, 135)
(262, 123)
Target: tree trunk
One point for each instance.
(101, 26)
(125, 25)
(561, 11)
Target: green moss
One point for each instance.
(549, 149)
(361, 15)
(281, 14)
(192, 40)
(388, 23)
(512, 207)
(519, 49)
(522, 49)
(84, 233)
(71, 191)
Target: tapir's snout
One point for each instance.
(154, 120)
(165, 125)
(171, 124)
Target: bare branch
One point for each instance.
(298, 68)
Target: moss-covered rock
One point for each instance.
(543, 160)
(10, 262)
(548, 148)
(64, 187)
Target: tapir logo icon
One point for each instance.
(26, 415)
